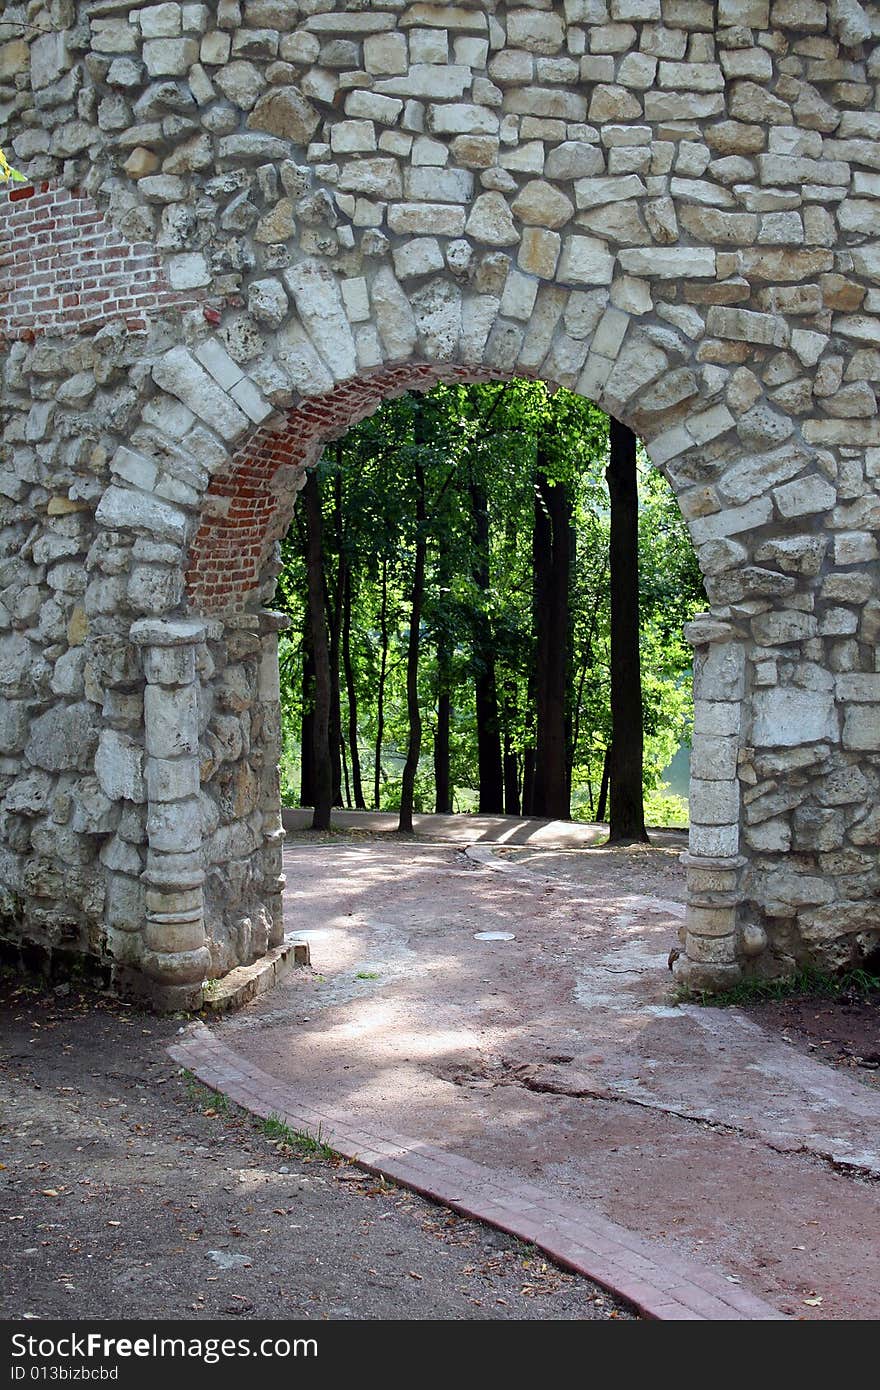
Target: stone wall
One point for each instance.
(668, 206)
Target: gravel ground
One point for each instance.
(653, 870)
(127, 1191)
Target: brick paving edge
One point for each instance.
(660, 1285)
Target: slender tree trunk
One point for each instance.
(442, 782)
(380, 694)
(323, 774)
(348, 666)
(307, 739)
(552, 600)
(627, 822)
(334, 623)
(442, 772)
(603, 785)
(491, 769)
(528, 782)
(512, 804)
(345, 780)
(414, 745)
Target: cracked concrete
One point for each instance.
(560, 1056)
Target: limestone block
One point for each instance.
(540, 204)
(539, 252)
(49, 57)
(377, 178)
(461, 118)
(574, 159)
(787, 716)
(119, 766)
(535, 31)
(804, 497)
(429, 219)
(713, 841)
(283, 112)
(394, 316)
(267, 301)
(127, 509)
(478, 314)
(438, 185)
(319, 303)
(714, 758)
(421, 256)
(64, 738)
(861, 727)
(585, 261)
(385, 54)
(491, 221)
(667, 262)
(176, 826)
(178, 373)
(171, 779)
(731, 521)
(437, 311)
(169, 57)
(171, 720)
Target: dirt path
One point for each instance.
(128, 1192)
(558, 1057)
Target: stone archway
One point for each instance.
(290, 217)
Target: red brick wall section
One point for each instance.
(65, 269)
(243, 513)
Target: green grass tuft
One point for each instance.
(299, 1141)
(816, 984)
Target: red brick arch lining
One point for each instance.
(245, 510)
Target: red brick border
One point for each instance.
(244, 511)
(658, 1283)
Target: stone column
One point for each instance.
(175, 958)
(269, 695)
(713, 861)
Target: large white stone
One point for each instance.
(119, 766)
(585, 261)
(394, 316)
(787, 716)
(315, 290)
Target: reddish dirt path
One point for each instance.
(557, 1057)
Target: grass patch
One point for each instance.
(294, 1141)
(298, 1141)
(206, 1099)
(367, 975)
(816, 984)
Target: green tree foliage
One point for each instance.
(482, 441)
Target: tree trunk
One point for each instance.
(442, 782)
(357, 783)
(627, 821)
(323, 774)
(489, 759)
(552, 553)
(603, 786)
(512, 803)
(307, 738)
(414, 745)
(380, 694)
(442, 773)
(334, 624)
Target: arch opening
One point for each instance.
(233, 567)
